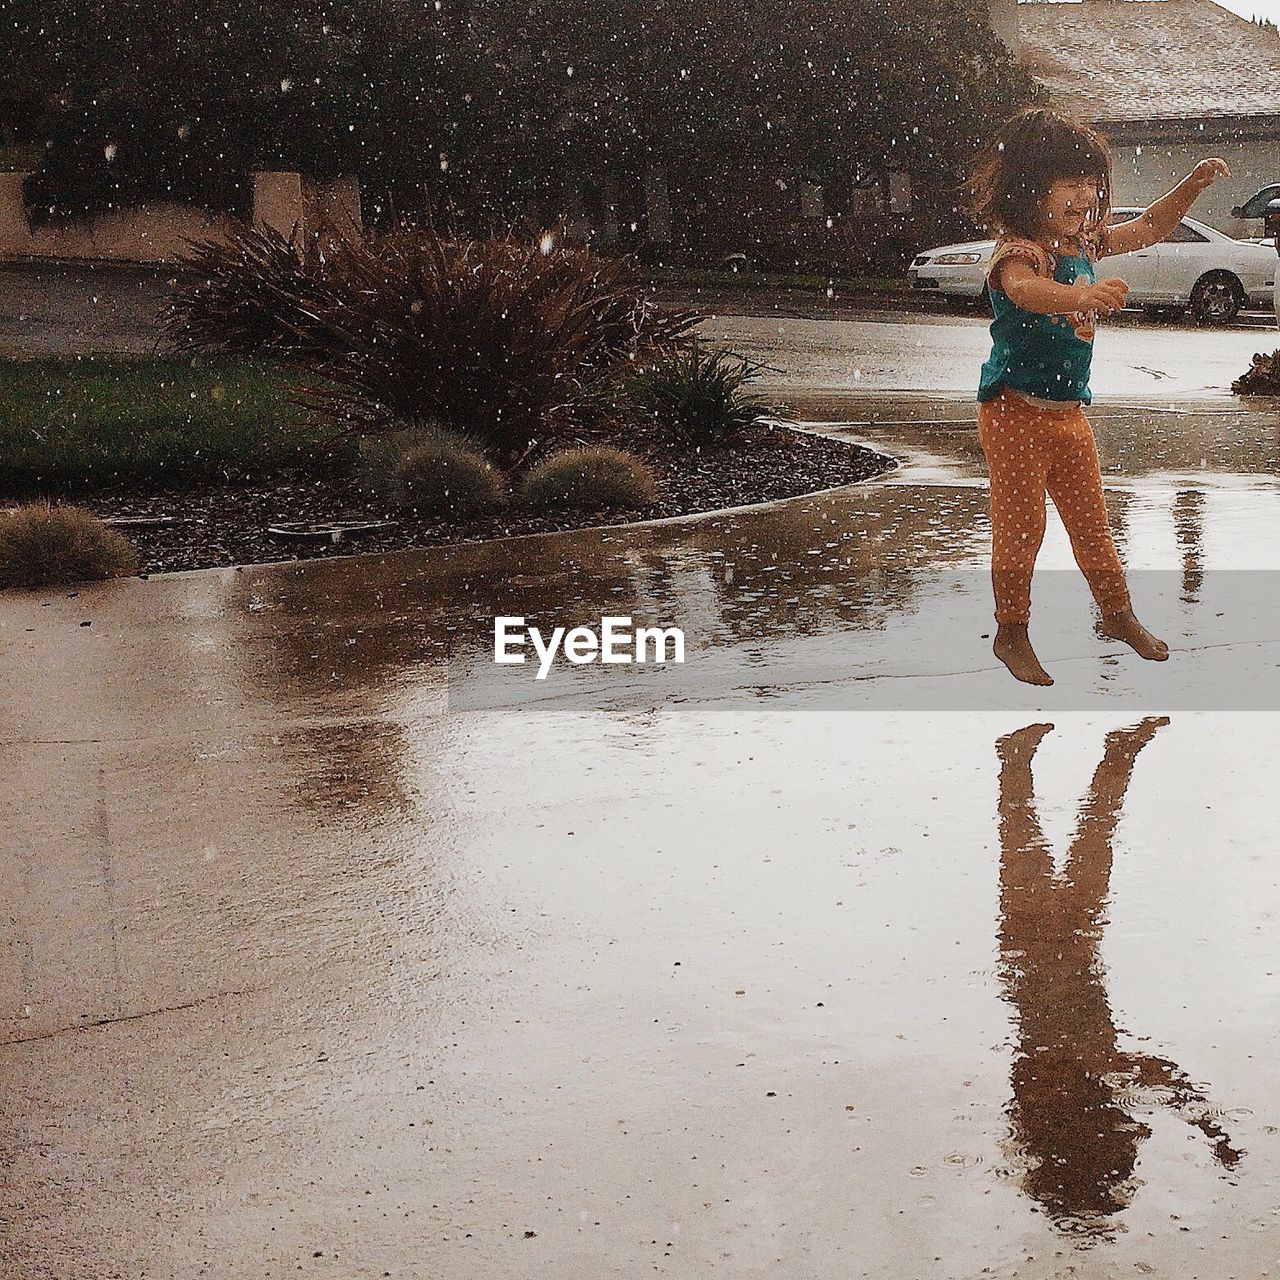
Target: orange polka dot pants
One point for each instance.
(1032, 451)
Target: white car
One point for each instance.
(1197, 267)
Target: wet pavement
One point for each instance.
(832, 953)
(934, 355)
(80, 308)
(857, 341)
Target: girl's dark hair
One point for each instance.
(1034, 149)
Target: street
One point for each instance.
(912, 345)
(940, 354)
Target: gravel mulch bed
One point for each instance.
(226, 524)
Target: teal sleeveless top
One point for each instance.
(1045, 356)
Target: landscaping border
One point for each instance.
(874, 464)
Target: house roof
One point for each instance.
(1118, 60)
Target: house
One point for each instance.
(160, 231)
(1168, 82)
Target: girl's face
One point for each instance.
(1069, 205)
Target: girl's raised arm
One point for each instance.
(1159, 219)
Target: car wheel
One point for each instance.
(1216, 298)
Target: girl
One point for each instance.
(1044, 187)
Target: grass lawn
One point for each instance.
(76, 425)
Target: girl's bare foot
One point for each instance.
(1013, 647)
(1125, 627)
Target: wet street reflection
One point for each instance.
(1077, 1094)
(1188, 523)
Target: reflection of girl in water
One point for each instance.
(1074, 1089)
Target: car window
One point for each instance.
(1256, 206)
(1181, 234)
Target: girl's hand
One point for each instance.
(1207, 172)
(1104, 297)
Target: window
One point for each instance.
(809, 199)
(1181, 234)
(1256, 206)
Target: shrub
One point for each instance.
(249, 297)
(697, 395)
(443, 477)
(379, 454)
(589, 480)
(1262, 378)
(43, 544)
(493, 338)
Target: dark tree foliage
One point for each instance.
(732, 93)
(475, 112)
(138, 99)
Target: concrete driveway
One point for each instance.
(832, 952)
(333, 949)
